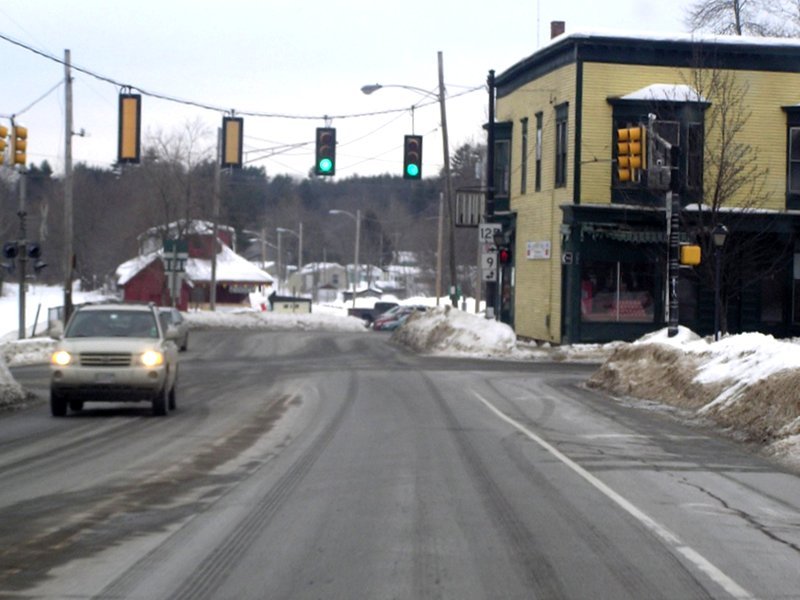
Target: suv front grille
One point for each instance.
(105, 359)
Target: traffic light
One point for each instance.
(326, 151)
(232, 141)
(3, 143)
(34, 251)
(630, 153)
(19, 145)
(412, 157)
(690, 255)
(10, 250)
(504, 255)
(130, 128)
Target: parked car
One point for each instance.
(113, 353)
(370, 314)
(172, 316)
(395, 317)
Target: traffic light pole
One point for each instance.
(22, 253)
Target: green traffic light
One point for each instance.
(325, 165)
(412, 170)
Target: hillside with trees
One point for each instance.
(175, 181)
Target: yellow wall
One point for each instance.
(537, 293)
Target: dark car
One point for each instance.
(395, 317)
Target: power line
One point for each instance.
(205, 106)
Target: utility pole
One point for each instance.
(448, 185)
(217, 185)
(68, 227)
(22, 248)
(492, 303)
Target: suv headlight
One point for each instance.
(61, 358)
(152, 358)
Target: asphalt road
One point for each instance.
(312, 465)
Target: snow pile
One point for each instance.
(11, 393)
(249, 319)
(745, 383)
(455, 332)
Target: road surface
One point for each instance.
(314, 465)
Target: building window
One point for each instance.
(617, 292)
(794, 160)
(561, 145)
(538, 174)
(502, 170)
(694, 156)
(523, 181)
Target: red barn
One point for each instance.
(145, 279)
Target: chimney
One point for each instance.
(556, 28)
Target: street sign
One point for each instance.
(488, 250)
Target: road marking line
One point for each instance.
(672, 540)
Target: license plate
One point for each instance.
(104, 378)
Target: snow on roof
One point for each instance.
(705, 38)
(128, 270)
(230, 267)
(666, 91)
(195, 226)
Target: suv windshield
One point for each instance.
(112, 323)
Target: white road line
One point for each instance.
(672, 540)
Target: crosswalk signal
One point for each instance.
(504, 255)
(630, 149)
(19, 145)
(326, 151)
(3, 142)
(412, 157)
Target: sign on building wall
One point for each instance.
(538, 250)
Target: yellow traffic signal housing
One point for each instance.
(232, 141)
(130, 128)
(3, 143)
(19, 141)
(690, 255)
(630, 153)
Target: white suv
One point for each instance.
(114, 353)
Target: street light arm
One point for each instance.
(368, 89)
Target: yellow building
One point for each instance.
(604, 145)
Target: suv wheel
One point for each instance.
(58, 405)
(76, 405)
(160, 404)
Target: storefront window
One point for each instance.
(617, 291)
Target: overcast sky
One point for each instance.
(298, 61)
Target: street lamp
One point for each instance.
(448, 186)
(718, 237)
(357, 218)
(299, 237)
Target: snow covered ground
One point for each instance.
(746, 385)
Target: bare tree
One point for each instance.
(734, 189)
(780, 18)
(172, 167)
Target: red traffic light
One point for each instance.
(504, 256)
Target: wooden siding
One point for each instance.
(537, 293)
(765, 130)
